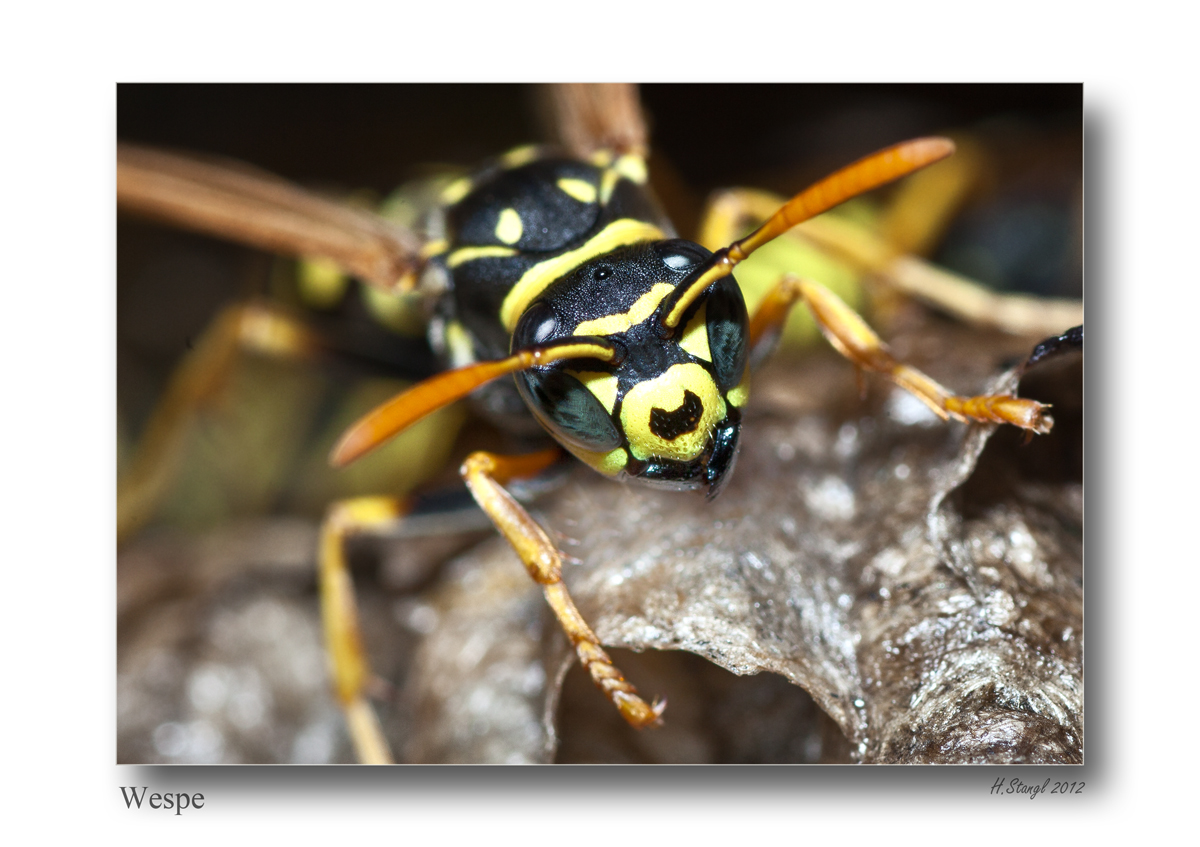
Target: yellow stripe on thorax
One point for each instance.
(534, 281)
(469, 254)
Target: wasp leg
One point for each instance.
(850, 336)
(485, 474)
(348, 666)
(197, 381)
(732, 212)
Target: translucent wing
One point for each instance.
(232, 200)
(588, 117)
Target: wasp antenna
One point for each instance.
(867, 173)
(402, 411)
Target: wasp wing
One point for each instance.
(232, 200)
(589, 117)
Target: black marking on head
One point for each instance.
(669, 425)
(710, 472)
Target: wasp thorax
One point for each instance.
(666, 410)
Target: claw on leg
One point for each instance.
(850, 336)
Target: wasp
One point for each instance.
(555, 290)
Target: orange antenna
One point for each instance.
(405, 409)
(862, 176)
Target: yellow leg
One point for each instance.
(197, 381)
(734, 212)
(348, 666)
(485, 474)
(850, 336)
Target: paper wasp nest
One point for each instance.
(927, 597)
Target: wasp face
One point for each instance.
(667, 410)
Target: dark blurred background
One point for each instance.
(714, 135)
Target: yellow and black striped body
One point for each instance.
(536, 249)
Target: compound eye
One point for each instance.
(728, 327)
(571, 412)
(680, 255)
(538, 325)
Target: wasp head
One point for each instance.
(666, 409)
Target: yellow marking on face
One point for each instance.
(456, 190)
(632, 167)
(581, 190)
(641, 309)
(695, 336)
(607, 183)
(602, 385)
(666, 392)
(459, 345)
(740, 393)
(508, 226)
(609, 464)
(468, 254)
(535, 280)
(519, 156)
(435, 248)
